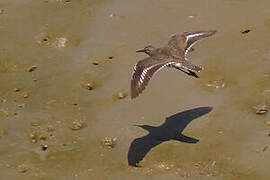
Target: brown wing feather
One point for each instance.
(184, 41)
(143, 72)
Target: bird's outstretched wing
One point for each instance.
(140, 147)
(184, 41)
(143, 71)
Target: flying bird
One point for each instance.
(172, 55)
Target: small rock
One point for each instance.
(43, 39)
(2, 100)
(88, 85)
(25, 95)
(34, 137)
(95, 63)
(60, 42)
(121, 95)
(22, 168)
(77, 125)
(191, 16)
(16, 89)
(261, 109)
(197, 164)
(110, 57)
(109, 142)
(44, 147)
(32, 68)
(245, 31)
(21, 105)
(112, 15)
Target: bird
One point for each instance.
(174, 55)
(171, 129)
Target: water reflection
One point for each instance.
(170, 130)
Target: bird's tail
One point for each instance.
(187, 65)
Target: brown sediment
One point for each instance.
(39, 135)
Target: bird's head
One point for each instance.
(148, 49)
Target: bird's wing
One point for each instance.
(184, 41)
(143, 71)
(140, 147)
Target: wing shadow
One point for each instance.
(171, 129)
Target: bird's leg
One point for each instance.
(188, 72)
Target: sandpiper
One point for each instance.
(171, 55)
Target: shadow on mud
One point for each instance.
(170, 130)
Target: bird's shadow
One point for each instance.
(171, 129)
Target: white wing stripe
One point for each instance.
(144, 72)
(193, 35)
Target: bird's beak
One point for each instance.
(140, 50)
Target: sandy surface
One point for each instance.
(57, 107)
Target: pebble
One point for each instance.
(95, 63)
(60, 42)
(191, 16)
(16, 89)
(44, 147)
(77, 125)
(261, 109)
(121, 95)
(25, 95)
(88, 85)
(112, 15)
(109, 142)
(2, 100)
(245, 31)
(34, 137)
(32, 68)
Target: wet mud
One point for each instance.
(65, 107)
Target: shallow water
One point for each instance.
(64, 38)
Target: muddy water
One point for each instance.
(52, 126)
